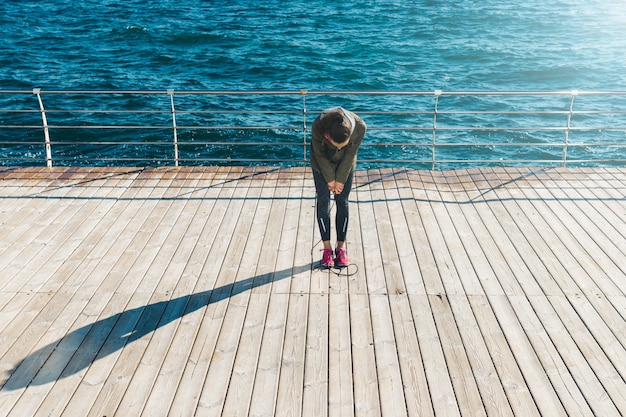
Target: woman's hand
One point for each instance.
(335, 187)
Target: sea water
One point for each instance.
(350, 45)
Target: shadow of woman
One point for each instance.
(80, 348)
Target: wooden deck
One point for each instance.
(194, 291)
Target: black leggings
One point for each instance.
(323, 207)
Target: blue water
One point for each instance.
(314, 44)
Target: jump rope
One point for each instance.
(347, 271)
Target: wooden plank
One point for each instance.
(602, 366)
(537, 244)
(138, 295)
(340, 364)
(372, 263)
(458, 273)
(606, 325)
(239, 390)
(210, 296)
(315, 394)
(483, 371)
(569, 374)
(23, 337)
(545, 245)
(51, 219)
(393, 274)
(15, 206)
(565, 391)
(538, 384)
(148, 369)
(55, 348)
(291, 190)
(61, 389)
(610, 188)
(285, 217)
(510, 237)
(442, 394)
(95, 342)
(265, 390)
(457, 362)
(236, 277)
(587, 284)
(238, 395)
(578, 233)
(170, 264)
(59, 403)
(410, 360)
(607, 235)
(407, 259)
(365, 375)
(61, 325)
(289, 399)
(114, 382)
(494, 210)
(305, 256)
(357, 283)
(245, 363)
(384, 276)
(144, 367)
(492, 269)
(171, 370)
(448, 277)
(64, 272)
(69, 272)
(390, 388)
(200, 237)
(417, 210)
(607, 201)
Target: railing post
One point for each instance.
(569, 120)
(434, 146)
(303, 93)
(46, 131)
(170, 92)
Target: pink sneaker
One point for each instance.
(341, 257)
(327, 259)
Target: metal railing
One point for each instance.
(429, 129)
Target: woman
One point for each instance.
(336, 136)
